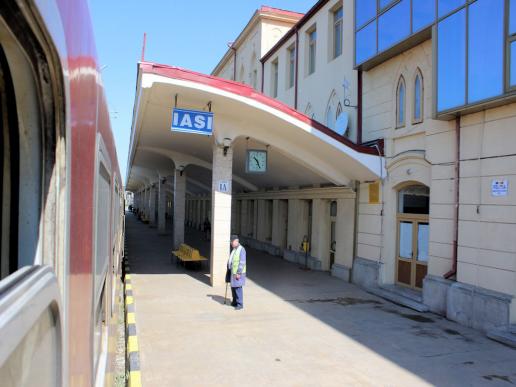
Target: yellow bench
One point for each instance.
(187, 253)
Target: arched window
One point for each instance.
(400, 102)
(309, 111)
(330, 119)
(418, 98)
(339, 110)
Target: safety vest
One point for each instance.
(235, 259)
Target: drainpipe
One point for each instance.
(453, 271)
(263, 74)
(297, 69)
(231, 47)
(359, 108)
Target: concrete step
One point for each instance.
(505, 336)
(403, 297)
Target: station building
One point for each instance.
(389, 133)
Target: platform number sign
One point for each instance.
(224, 186)
(192, 121)
(256, 161)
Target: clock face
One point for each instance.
(256, 161)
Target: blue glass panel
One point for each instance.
(417, 98)
(394, 25)
(451, 61)
(513, 64)
(423, 14)
(365, 10)
(385, 3)
(485, 49)
(512, 17)
(446, 6)
(366, 42)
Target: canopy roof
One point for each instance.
(301, 151)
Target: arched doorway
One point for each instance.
(413, 235)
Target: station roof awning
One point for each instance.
(301, 150)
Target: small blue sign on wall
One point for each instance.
(192, 121)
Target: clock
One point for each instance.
(256, 161)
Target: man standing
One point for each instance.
(235, 274)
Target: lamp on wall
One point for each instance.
(181, 169)
(347, 103)
(226, 143)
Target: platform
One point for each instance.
(298, 328)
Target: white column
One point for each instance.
(179, 207)
(321, 232)
(344, 230)
(162, 205)
(152, 204)
(220, 213)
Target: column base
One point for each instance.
(341, 271)
(365, 273)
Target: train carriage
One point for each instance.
(62, 200)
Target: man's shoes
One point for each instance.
(233, 304)
(239, 307)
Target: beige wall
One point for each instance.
(258, 41)
(323, 88)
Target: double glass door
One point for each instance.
(413, 236)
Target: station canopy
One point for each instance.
(301, 151)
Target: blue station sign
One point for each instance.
(192, 121)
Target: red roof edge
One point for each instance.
(248, 92)
(266, 8)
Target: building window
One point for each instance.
(418, 98)
(309, 111)
(400, 102)
(394, 25)
(312, 50)
(365, 10)
(423, 14)
(485, 49)
(446, 6)
(291, 66)
(451, 61)
(365, 43)
(337, 32)
(275, 78)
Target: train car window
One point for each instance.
(9, 167)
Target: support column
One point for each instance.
(179, 207)
(152, 204)
(162, 205)
(344, 230)
(199, 214)
(321, 232)
(244, 221)
(220, 212)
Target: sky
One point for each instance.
(187, 33)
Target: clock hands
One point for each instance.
(257, 162)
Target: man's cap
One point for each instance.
(233, 237)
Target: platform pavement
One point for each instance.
(297, 329)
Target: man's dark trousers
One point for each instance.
(238, 296)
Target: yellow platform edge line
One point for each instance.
(135, 379)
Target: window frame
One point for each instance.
(311, 43)
(291, 66)
(275, 78)
(401, 123)
(419, 74)
(337, 24)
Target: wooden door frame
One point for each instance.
(415, 219)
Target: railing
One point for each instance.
(31, 334)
